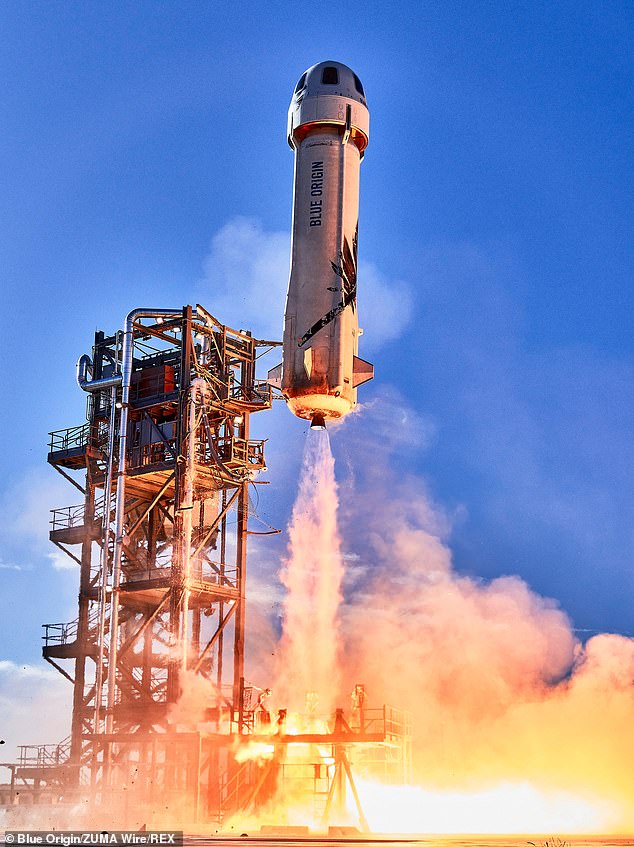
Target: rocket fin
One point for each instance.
(274, 376)
(308, 361)
(362, 371)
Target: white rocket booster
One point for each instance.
(328, 128)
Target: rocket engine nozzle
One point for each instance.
(318, 422)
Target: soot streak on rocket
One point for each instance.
(346, 269)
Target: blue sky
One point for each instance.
(144, 162)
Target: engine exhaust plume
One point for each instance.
(312, 575)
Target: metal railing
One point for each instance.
(77, 437)
(259, 393)
(59, 633)
(238, 451)
(44, 755)
(398, 722)
(262, 392)
(146, 575)
(205, 575)
(69, 439)
(69, 517)
(393, 723)
(66, 633)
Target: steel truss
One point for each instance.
(160, 540)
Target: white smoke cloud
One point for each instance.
(500, 688)
(11, 566)
(60, 561)
(385, 307)
(35, 706)
(25, 510)
(246, 276)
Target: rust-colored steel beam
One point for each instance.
(130, 532)
(217, 634)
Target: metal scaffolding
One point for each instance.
(160, 540)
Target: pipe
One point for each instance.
(126, 376)
(84, 367)
(103, 598)
(186, 506)
(84, 371)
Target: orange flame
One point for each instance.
(517, 726)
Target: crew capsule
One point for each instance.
(329, 130)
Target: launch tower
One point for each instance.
(164, 464)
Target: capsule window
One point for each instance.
(301, 83)
(358, 86)
(330, 76)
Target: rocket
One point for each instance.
(328, 129)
